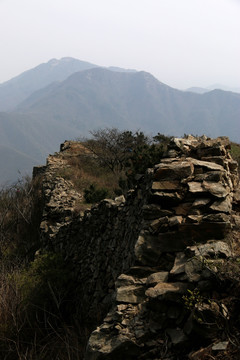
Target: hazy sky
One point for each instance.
(181, 42)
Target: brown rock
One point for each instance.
(193, 269)
(195, 218)
(220, 160)
(154, 211)
(175, 220)
(205, 164)
(165, 290)
(155, 278)
(130, 294)
(236, 196)
(196, 187)
(233, 165)
(162, 197)
(222, 205)
(177, 336)
(179, 264)
(125, 280)
(159, 223)
(174, 171)
(216, 189)
(183, 209)
(166, 185)
(210, 176)
(198, 203)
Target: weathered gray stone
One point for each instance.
(167, 290)
(196, 187)
(205, 164)
(216, 189)
(130, 294)
(193, 269)
(155, 278)
(124, 280)
(195, 218)
(198, 203)
(159, 223)
(101, 345)
(224, 205)
(174, 171)
(215, 249)
(177, 336)
(179, 264)
(220, 346)
(175, 220)
(233, 164)
(236, 196)
(162, 197)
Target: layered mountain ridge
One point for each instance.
(65, 99)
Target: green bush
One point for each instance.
(94, 195)
(46, 285)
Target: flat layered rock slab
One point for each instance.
(174, 171)
(130, 294)
(205, 164)
(196, 187)
(162, 197)
(164, 290)
(212, 249)
(216, 189)
(155, 278)
(210, 176)
(224, 206)
(166, 185)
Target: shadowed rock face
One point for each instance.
(137, 257)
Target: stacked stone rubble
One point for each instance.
(162, 298)
(141, 255)
(98, 244)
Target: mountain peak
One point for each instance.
(53, 62)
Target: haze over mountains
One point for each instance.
(200, 90)
(65, 99)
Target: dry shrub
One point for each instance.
(84, 170)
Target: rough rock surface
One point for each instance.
(141, 259)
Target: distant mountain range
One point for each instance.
(200, 90)
(65, 99)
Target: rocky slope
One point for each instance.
(150, 265)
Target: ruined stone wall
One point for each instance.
(141, 254)
(99, 243)
(179, 250)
